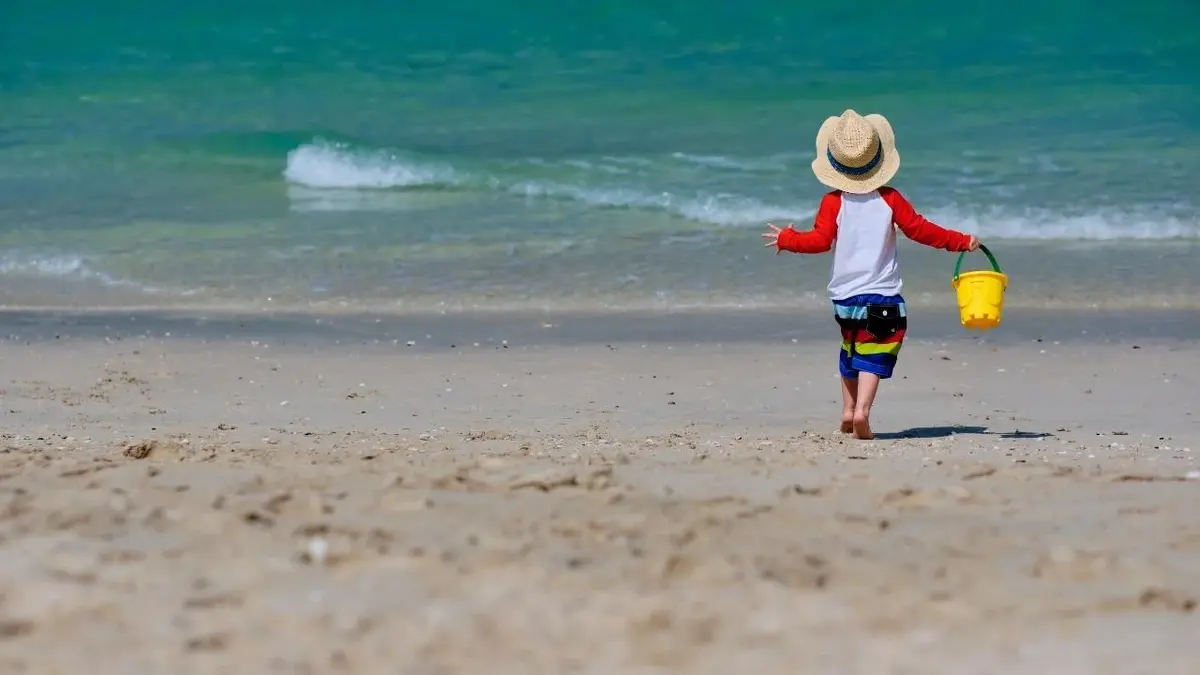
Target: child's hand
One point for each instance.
(973, 244)
(772, 237)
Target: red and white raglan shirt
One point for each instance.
(864, 229)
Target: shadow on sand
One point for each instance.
(945, 432)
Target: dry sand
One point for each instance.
(176, 505)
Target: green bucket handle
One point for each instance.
(992, 258)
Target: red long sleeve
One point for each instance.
(821, 237)
(916, 227)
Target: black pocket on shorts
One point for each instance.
(884, 321)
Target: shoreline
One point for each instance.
(426, 330)
(1068, 277)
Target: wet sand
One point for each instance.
(223, 495)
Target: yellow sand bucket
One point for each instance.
(980, 294)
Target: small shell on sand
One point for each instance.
(318, 550)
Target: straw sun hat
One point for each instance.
(856, 154)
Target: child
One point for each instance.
(856, 156)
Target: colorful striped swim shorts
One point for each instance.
(873, 328)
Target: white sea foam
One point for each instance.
(54, 266)
(715, 209)
(335, 169)
(322, 164)
(731, 163)
(1042, 224)
(23, 264)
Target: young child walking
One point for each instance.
(857, 157)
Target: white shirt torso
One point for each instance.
(864, 255)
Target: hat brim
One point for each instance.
(867, 182)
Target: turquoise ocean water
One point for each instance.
(580, 155)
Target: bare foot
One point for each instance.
(847, 426)
(862, 428)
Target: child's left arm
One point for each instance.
(923, 231)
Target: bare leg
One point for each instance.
(868, 386)
(849, 396)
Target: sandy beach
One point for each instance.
(226, 496)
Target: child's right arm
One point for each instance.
(817, 240)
